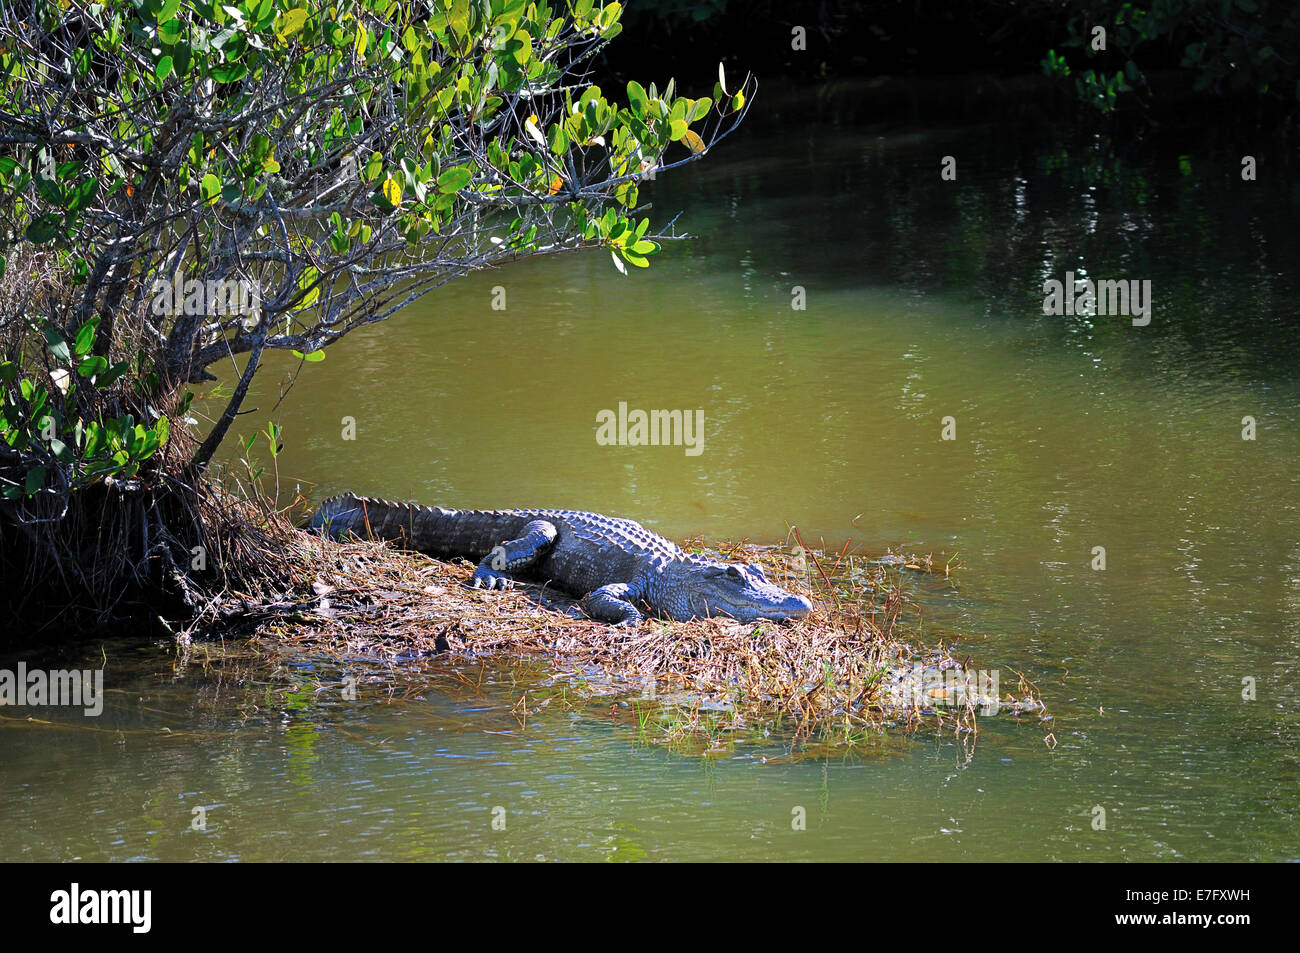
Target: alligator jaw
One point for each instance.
(788, 608)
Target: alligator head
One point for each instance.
(698, 588)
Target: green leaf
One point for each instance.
(85, 338)
(92, 366)
(112, 374)
(169, 33)
(309, 284)
(82, 195)
(181, 55)
(210, 188)
(61, 450)
(559, 139)
(636, 96)
(58, 346)
(229, 72)
(168, 10)
(453, 180)
(608, 16)
(163, 69)
(521, 47)
(315, 357)
(35, 480)
(49, 190)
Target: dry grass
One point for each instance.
(831, 677)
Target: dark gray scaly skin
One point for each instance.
(614, 565)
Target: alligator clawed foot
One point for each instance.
(491, 580)
(575, 612)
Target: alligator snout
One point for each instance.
(785, 607)
(791, 607)
(799, 607)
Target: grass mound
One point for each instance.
(834, 675)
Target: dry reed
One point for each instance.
(834, 674)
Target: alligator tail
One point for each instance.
(430, 529)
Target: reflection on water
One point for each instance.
(923, 302)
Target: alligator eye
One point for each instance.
(735, 573)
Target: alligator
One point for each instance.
(613, 565)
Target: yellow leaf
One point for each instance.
(392, 192)
(693, 141)
(524, 52)
(290, 22)
(557, 183)
(530, 126)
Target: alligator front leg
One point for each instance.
(613, 604)
(514, 555)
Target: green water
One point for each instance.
(924, 301)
